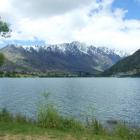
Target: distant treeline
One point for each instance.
(46, 74)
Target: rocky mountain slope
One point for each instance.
(67, 57)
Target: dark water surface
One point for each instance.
(106, 98)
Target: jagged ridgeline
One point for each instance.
(72, 57)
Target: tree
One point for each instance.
(4, 29)
(2, 58)
(4, 32)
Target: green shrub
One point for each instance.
(5, 116)
(48, 117)
(72, 124)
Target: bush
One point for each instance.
(72, 124)
(48, 117)
(5, 116)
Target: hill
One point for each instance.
(129, 66)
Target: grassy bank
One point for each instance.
(51, 125)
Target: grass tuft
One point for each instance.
(5, 116)
(48, 118)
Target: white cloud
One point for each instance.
(68, 20)
(43, 8)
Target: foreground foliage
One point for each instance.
(49, 121)
(51, 125)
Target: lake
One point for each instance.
(105, 98)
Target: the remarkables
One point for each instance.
(129, 66)
(72, 57)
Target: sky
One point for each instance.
(107, 23)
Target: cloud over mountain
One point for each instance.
(43, 8)
(57, 21)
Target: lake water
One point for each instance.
(105, 98)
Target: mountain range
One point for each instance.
(71, 57)
(129, 66)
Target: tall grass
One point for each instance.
(49, 117)
(96, 127)
(6, 116)
(125, 132)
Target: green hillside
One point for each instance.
(129, 66)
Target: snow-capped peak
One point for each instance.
(76, 46)
(114, 51)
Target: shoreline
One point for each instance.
(52, 126)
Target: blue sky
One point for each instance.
(107, 23)
(133, 7)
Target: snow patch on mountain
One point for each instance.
(76, 46)
(114, 51)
